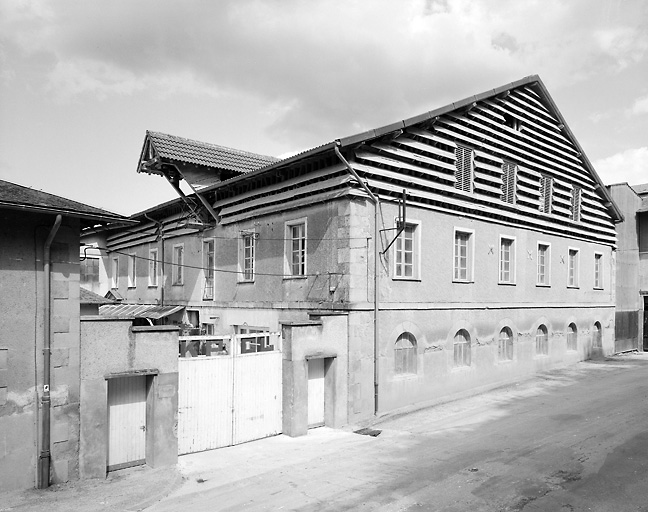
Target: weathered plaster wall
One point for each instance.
(111, 347)
(21, 348)
(325, 337)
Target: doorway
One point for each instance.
(126, 422)
(316, 391)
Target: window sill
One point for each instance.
(598, 288)
(246, 281)
(573, 287)
(459, 369)
(463, 281)
(288, 278)
(543, 285)
(152, 286)
(506, 283)
(177, 284)
(413, 279)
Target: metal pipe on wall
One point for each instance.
(45, 455)
(374, 199)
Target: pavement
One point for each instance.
(341, 470)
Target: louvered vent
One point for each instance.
(464, 172)
(576, 204)
(546, 191)
(509, 175)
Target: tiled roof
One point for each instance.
(203, 153)
(88, 297)
(25, 198)
(640, 189)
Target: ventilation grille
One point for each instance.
(464, 172)
(509, 176)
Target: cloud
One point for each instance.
(326, 69)
(640, 106)
(628, 166)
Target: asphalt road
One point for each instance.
(574, 439)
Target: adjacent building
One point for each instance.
(632, 267)
(465, 247)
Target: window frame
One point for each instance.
(465, 352)
(416, 251)
(470, 255)
(547, 264)
(132, 270)
(405, 358)
(598, 271)
(208, 268)
(505, 346)
(572, 337)
(573, 277)
(512, 260)
(92, 263)
(114, 273)
(153, 268)
(289, 251)
(542, 341)
(178, 265)
(247, 275)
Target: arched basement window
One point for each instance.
(505, 345)
(405, 354)
(462, 348)
(542, 341)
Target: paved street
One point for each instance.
(569, 440)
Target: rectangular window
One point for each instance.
(153, 267)
(576, 204)
(572, 268)
(89, 270)
(543, 264)
(247, 256)
(178, 264)
(507, 260)
(115, 273)
(598, 270)
(296, 248)
(509, 177)
(406, 260)
(132, 267)
(209, 262)
(546, 193)
(464, 163)
(463, 255)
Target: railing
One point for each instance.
(219, 345)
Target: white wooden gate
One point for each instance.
(126, 422)
(229, 398)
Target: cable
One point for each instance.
(206, 269)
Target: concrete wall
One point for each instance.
(113, 348)
(21, 348)
(324, 338)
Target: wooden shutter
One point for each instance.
(576, 204)
(464, 171)
(509, 175)
(546, 191)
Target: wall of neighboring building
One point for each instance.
(21, 348)
(112, 348)
(629, 302)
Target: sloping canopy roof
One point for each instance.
(18, 197)
(180, 149)
(88, 297)
(139, 310)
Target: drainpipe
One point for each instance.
(44, 457)
(374, 199)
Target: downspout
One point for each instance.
(44, 457)
(376, 336)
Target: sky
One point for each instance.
(82, 80)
